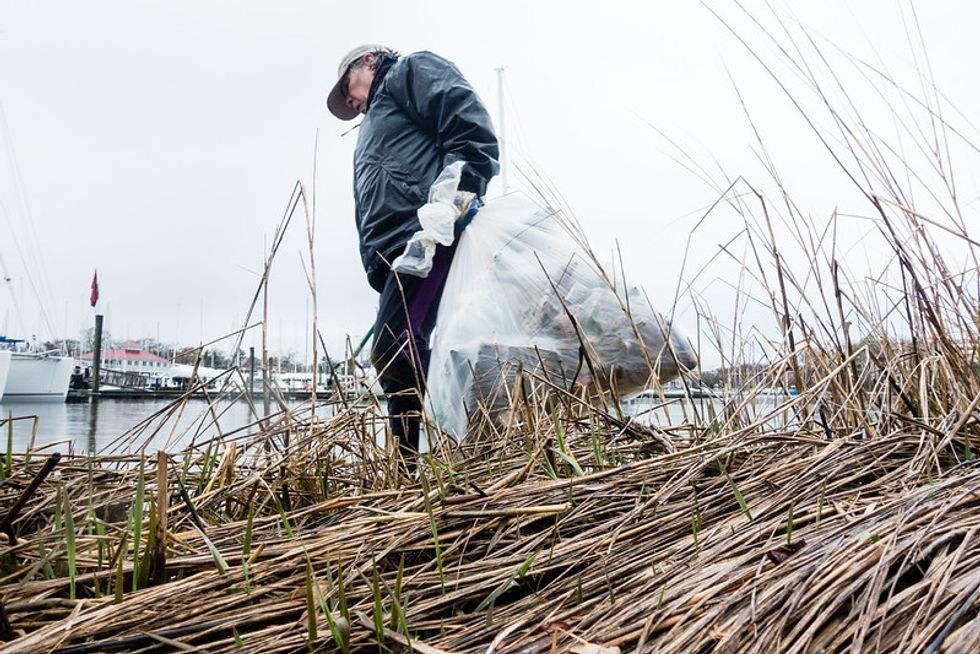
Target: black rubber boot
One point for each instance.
(404, 413)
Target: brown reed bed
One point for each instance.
(577, 531)
(844, 518)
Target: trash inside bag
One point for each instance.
(524, 298)
(437, 219)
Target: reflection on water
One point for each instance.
(120, 424)
(93, 425)
(767, 410)
(133, 424)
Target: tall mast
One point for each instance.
(501, 135)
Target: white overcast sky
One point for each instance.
(159, 141)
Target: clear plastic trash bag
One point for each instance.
(438, 219)
(518, 279)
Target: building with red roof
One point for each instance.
(129, 356)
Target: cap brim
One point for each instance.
(337, 104)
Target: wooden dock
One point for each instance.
(84, 396)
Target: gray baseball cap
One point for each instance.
(336, 102)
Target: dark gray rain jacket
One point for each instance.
(422, 116)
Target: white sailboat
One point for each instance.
(25, 374)
(4, 370)
(34, 376)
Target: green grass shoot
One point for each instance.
(738, 494)
(597, 445)
(527, 564)
(341, 592)
(396, 596)
(435, 533)
(338, 637)
(285, 522)
(69, 540)
(120, 555)
(247, 540)
(310, 605)
(570, 460)
(9, 457)
(136, 516)
(789, 524)
(696, 526)
(379, 621)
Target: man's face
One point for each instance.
(357, 85)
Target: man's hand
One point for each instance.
(464, 203)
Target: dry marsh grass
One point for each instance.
(844, 518)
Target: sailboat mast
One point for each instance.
(501, 134)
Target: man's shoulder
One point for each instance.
(420, 72)
(423, 59)
(425, 55)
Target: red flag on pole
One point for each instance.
(94, 298)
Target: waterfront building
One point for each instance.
(129, 356)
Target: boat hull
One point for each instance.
(4, 370)
(33, 377)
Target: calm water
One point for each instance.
(90, 428)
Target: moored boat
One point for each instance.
(37, 376)
(32, 375)
(4, 370)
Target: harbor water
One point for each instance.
(92, 427)
(128, 424)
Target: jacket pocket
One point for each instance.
(407, 183)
